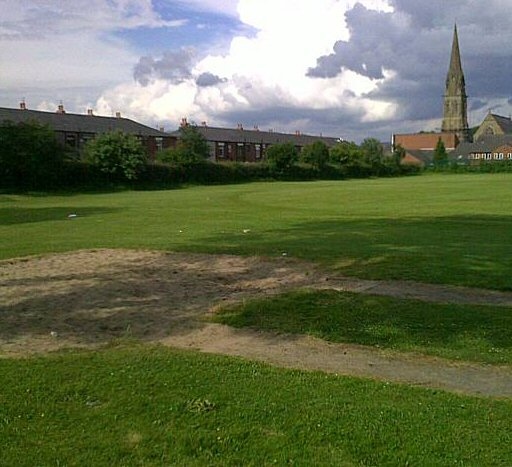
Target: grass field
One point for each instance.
(458, 332)
(153, 406)
(441, 229)
(144, 405)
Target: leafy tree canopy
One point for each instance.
(29, 154)
(316, 154)
(281, 157)
(192, 148)
(118, 154)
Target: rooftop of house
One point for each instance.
(88, 123)
(505, 123)
(486, 144)
(256, 136)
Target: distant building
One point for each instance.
(493, 125)
(455, 118)
(239, 144)
(75, 130)
(420, 147)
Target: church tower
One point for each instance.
(455, 119)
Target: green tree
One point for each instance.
(281, 157)
(398, 154)
(117, 153)
(316, 154)
(30, 155)
(440, 158)
(372, 151)
(345, 153)
(192, 148)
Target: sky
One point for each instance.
(343, 68)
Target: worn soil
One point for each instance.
(88, 298)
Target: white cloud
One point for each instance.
(266, 71)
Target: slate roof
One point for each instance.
(234, 135)
(423, 155)
(79, 122)
(486, 144)
(505, 123)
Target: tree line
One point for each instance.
(31, 157)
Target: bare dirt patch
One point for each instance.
(89, 298)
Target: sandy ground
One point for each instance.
(89, 298)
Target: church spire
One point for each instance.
(455, 118)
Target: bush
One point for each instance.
(30, 156)
(117, 154)
(281, 157)
(316, 154)
(192, 148)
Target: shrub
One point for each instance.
(281, 157)
(117, 154)
(316, 154)
(30, 156)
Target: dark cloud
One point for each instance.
(414, 43)
(173, 66)
(209, 79)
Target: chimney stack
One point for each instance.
(60, 109)
(183, 123)
(23, 106)
(162, 129)
(118, 114)
(240, 126)
(90, 112)
(204, 124)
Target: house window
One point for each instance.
(159, 141)
(221, 150)
(509, 155)
(71, 140)
(257, 148)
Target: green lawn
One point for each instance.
(445, 228)
(459, 332)
(153, 406)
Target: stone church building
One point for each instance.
(491, 141)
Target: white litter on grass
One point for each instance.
(246, 230)
(181, 231)
(72, 216)
(53, 334)
(284, 254)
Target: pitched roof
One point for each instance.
(78, 122)
(486, 144)
(233, 135)
(505, 123)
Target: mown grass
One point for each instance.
(442, 229)
(154, 406)
(458, 332)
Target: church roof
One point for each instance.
(505, 123)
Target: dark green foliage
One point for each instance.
(440, 158)
(373, 153)
(30, 156)
(398, 154)
(281, 157)
(192, 148)
(117, 154)
(316, 154)
(345, 153)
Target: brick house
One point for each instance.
(239, 144)
(486, 149)
(420, 147)
(75, 130)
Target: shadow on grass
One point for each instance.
(14, 215)
(463, 250)
(477, 333)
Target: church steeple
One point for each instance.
(455, 119)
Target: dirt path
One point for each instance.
(88, 298)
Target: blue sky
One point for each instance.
(343, 68)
